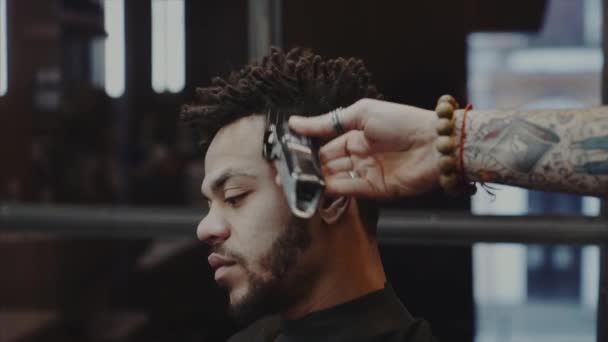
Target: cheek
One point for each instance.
(258, 223)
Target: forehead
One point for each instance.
(236, 146)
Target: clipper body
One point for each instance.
(298, 166)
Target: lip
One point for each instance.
(216, 261)
(220, 274)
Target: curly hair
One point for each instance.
(297, 82)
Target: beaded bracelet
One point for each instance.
(451, 168)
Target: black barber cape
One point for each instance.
(377, 316)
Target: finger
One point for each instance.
(347, 186)
(323, 125)
(316, 126)
(338, 165)
(352, 142)
(334, 149)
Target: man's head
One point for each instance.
(269, 257)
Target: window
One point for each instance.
(168, 45)
(114, 22)
(3, 49)
(541, 286)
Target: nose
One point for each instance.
(213, 228)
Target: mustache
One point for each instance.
(225, 252)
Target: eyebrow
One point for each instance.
(224, 177)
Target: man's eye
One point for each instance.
(235, 200)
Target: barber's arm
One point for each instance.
(389, 149)
(551, 150)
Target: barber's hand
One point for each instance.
(390, 147)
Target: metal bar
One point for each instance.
(602, 304)
(404, 227)
(260, 30)
(602, 308)
(395, 227)
(276, 17)
(265, 27)
(99, 222)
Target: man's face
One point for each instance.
(255, 241)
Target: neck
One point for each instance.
(349, 272)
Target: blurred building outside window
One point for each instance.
(3, 49)
(537, 292)
(98, 73)
(168, 46)
(113, 65)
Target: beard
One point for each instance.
(270, 295)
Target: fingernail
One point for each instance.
(294, 119)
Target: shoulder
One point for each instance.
(264, 329)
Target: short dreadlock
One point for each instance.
(298, 82)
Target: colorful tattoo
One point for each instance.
(517, 144)
(590, 147)
(563, 150)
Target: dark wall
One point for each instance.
(216, 41)
(32, 39)
(415, 50)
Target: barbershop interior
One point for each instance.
(100, 182)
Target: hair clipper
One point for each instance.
(297, 163)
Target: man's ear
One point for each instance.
(277, 180)
(332, 209)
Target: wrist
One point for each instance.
(451, 130)
(460, 139)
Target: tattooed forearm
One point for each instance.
(551, 150)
